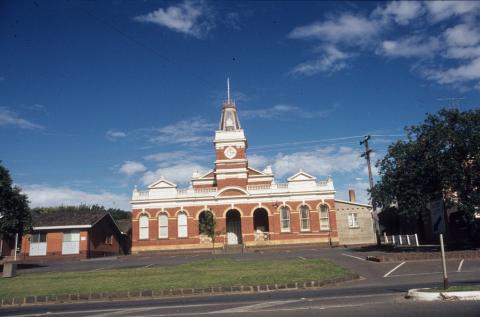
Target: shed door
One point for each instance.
(38, 244)
(71, 242)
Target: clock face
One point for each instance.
(230, 152)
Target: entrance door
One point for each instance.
(38, 244)
(234, 227)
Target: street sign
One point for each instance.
(437, 214)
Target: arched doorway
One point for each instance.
(234, 227)
(260, 220)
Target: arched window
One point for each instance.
(324, 222)
(182, 225)
(163, 226)
(143, 223)
(285, 219)
(304, 218)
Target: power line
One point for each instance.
(322, 140)
(202, 80)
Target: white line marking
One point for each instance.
(393, 270)
(134, 310)
(149, 265)
(460, 265)
(355, 257)
(254, 307)
(301, 258)
(71, 312)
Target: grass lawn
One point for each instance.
(199, 274)
(458, 288)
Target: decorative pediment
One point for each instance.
(266, 172)
(162, 183)
(208, 175)
(232, 191)
(301, 176)
(252, 171)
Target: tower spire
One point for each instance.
(228, 90)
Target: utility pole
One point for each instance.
(366, 155)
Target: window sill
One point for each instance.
(356, 227)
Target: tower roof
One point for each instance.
(229, 118)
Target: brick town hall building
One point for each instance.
(249, 207)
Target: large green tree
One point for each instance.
(439, 159)
(14, 211)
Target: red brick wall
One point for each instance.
(220, 155)
(54, 246)
(98, 234)
(239, 182)
(246, 211)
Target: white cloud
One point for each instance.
(441, 10)
(129, 168)
(285, 111)
(332, 60)
(455, 75)
(324, 161)
(113, 135)
(360, 186)
(413, 46)
(178, 172)
(189, 131)
(462, 35)
(346, 28)
(189, 17)
(11, 118)
(167, 156)
(44, 196)
(268, 113)
(433, 41)
(258, 161)
(463, 52)
(402, 12)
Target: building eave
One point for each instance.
(62, 227)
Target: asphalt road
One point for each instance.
(324, 302)
(379, 292)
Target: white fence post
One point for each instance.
(393, 239)
(386, 237)
(408, 239)
(416, 239)
(400, 239)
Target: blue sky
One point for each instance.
(96, 97)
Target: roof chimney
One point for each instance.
(351, 195)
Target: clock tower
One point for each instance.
(231, 166)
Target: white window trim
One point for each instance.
(289, 228)
(160, 226)
(324, 220)
(301, 222)
(179, 225)
(146, 228)
(353, 221)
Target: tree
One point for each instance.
(440, 159)
(15, 214)
(69, 211)
(207, 226)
